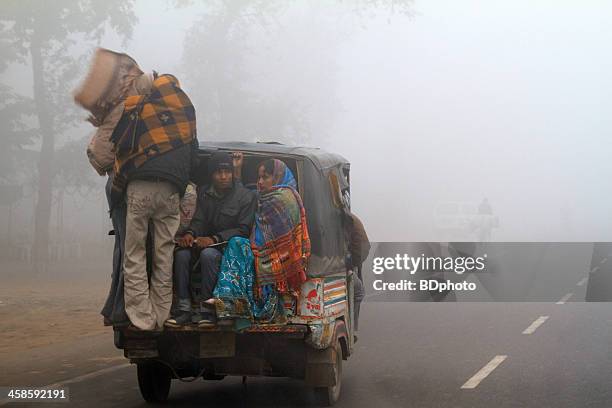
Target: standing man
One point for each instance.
(225, 209)
(485, 220)
(111, 79)
(155, 145)
(359, 248)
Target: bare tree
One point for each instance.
(259, 72)
(55, 38)
(17, 131)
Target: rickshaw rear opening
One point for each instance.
(318, 333)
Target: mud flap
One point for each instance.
(320, 367)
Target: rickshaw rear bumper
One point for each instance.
(261, 350)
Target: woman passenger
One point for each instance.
(280, 249)
(279, 239)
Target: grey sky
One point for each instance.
(508, 100)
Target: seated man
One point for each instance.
(224, 209)
(187, 208)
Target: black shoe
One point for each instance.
(122, 324)
(181, 319)
(140, 332)
(225, 322)
(208, 319)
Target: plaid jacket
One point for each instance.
(152, 125)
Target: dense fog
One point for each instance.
(436, 104)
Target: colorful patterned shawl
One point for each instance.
(279, 239)
(234, 289)
(152, 125)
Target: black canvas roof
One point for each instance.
(320, 158)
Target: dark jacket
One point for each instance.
(224, 217)
(359, 243)
(175, 166)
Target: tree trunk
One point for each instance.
(45, 163)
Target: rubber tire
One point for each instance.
(328, 396)
(154, 381)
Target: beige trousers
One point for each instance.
(148, 306)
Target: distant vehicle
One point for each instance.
(319, 332)
(461, 220)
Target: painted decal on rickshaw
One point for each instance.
(334, 295)
(311, 299)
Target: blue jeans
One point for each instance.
(210, 263)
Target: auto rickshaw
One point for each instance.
(318, 334)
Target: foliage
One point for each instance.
(266, 70)
(16, 117)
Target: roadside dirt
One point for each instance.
(39, 309)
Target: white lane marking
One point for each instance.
(565, 299)
(595, 269)
(536, 323)
(483, 372)
(74, 380)
(582, 281)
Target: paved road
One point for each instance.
(554, 354)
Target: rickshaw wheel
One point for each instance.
(154, 381)
(328, 396)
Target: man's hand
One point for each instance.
(237, 160)
(203, 242)
(186, 241)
